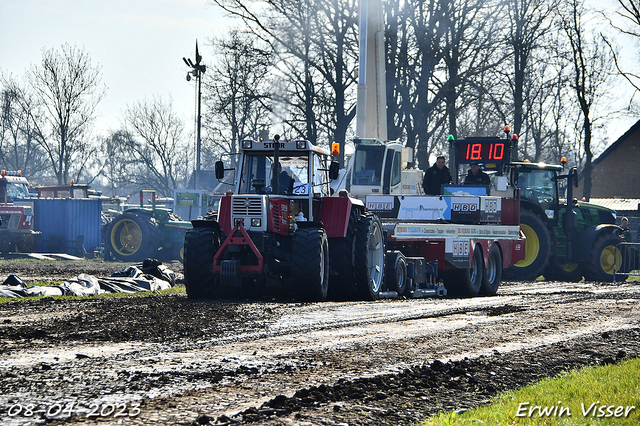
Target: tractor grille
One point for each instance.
(246, 206)
(275, 208)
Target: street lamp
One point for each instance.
(197, 70)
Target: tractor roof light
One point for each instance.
(563, 160)
(507, 129)
(450, 138)
(301, 144)
(335, 149)
(247, 144)
(514, 137)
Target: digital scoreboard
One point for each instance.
(483, 150)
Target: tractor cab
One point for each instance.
(13, 186)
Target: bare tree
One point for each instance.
(630, 13)
(19, 149)
(157, 144)
(591, 71)
(69, 87)
(237, 92)
(322, 37)
(116, 165)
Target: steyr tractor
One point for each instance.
(282, 226)
(140, 233)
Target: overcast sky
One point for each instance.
(138, 44)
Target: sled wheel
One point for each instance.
(466, 282)
(493, 272)
(396, 273)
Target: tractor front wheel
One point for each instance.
(6, 242)
(569, 272)
(605, 259)
(132, 237)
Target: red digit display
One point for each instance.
(490, 150)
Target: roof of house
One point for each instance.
(615, 145)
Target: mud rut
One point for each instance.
(168, 360)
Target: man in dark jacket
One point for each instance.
(476, 176)
(435, 176)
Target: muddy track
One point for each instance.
(170, 360)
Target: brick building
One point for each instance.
(616, 172)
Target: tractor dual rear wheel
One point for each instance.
(310, 264)
(369, 257)
(132, 237)
(537, 248)
(200, 245)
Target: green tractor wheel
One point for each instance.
(537, 248)
(605, 259)
(132, 237)
(569, 272)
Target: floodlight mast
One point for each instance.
(197, 69)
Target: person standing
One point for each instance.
(476, 176)
(436, 176)
(625, 232)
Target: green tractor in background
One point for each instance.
(566, 239)
(140, 233)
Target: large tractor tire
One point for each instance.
(310, 264)
(605, 258)
(342, 261)
(396, 273)
(537, 248)
(132, 237)
(6, 242)
(569, 272)
(492, 273)
(369, 257)
(200, 245)
(466, 282)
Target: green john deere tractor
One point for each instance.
(140, 233)
(566, 239)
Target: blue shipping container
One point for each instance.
(63, 220)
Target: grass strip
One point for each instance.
(601, 395)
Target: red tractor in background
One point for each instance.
(16, 227)
(282, 224)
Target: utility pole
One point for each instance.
(197, 69)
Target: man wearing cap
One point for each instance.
(476, 176)
(435, 176)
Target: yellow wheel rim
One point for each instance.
(126, 237)
(569, 267)
(610, 259)
(532, 246)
